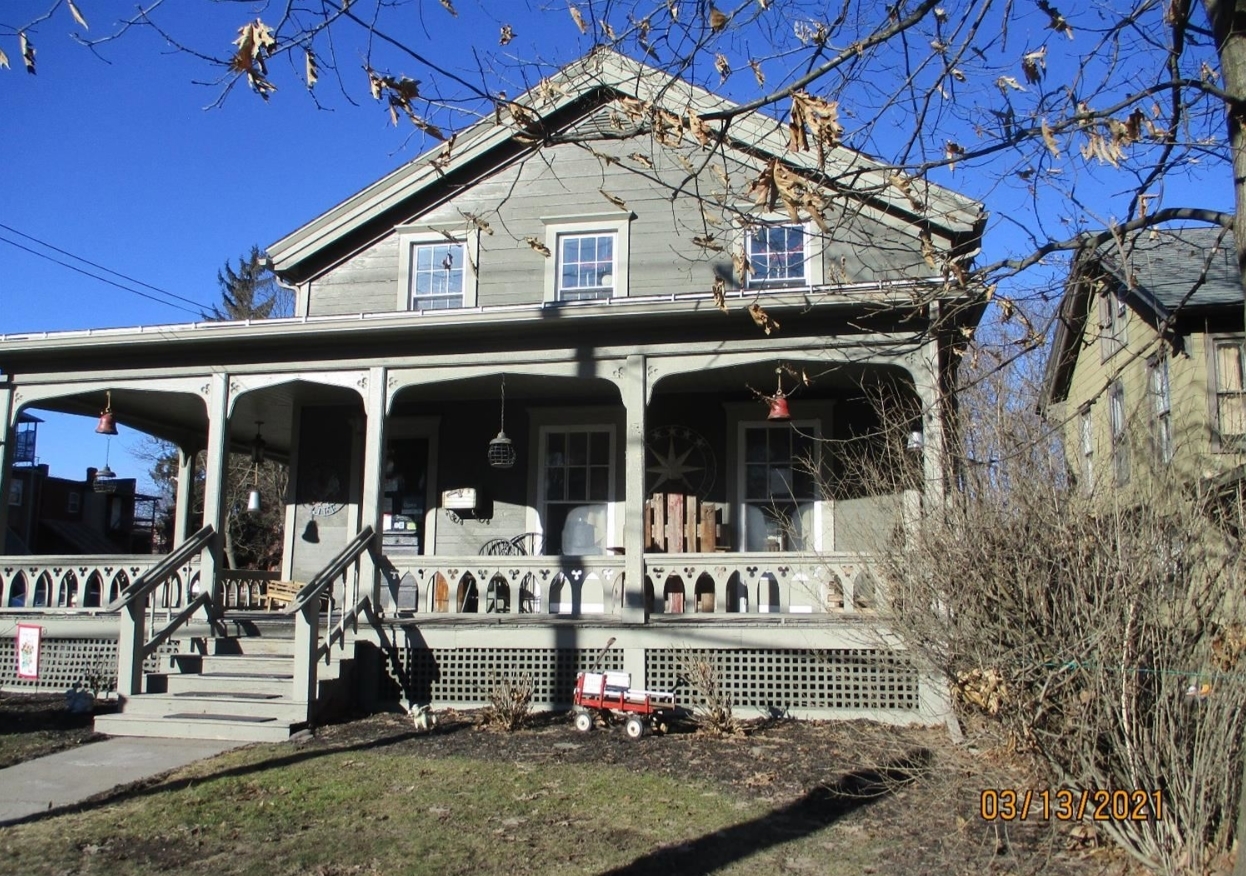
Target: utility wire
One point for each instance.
(125, 277)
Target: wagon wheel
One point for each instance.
(584, 721)
(634, 727)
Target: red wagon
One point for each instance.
(611, 692)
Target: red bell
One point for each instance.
(778, 408)
(107, 425)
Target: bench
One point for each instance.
(279, 594)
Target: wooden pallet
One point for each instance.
(676, 523)
(278, 594)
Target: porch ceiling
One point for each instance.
(826, 378)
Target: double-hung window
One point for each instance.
(1116, 423)
(577, 474)
(779, 491)
(436, 276)
(586, 265)
(1086, 439)
(588, 256)
(1161, 407)
(437, 269)
(778, 255)
(1230, 393)
(1113, 313)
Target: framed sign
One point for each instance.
(28, 636)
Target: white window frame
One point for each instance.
(741, 502)
(1159, 388)
(1232, 442)
(1113, 320)
(411, 236)
(617, 223)
(1086, 438)
(1117, 421)
(815, 262)
(611, 501)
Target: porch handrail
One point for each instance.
(159, 573)
(133, 646)
(313, 589)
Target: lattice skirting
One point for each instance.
(777, 680)
(464, 676)
(66, 662)
(857, 679)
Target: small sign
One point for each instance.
(28, 636)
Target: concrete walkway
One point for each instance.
(74, 775)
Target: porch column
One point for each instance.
(925, 370)
(373, 476)
(634, 399)
(183, 504)
(8, 438)
(214, 480)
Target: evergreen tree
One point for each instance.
(252, 291)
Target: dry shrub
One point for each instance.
(715, 715)
(510, 702)
(1102, 628)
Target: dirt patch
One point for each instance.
(32, 725)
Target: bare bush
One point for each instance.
(1102, 628)
(715, 716)
(510, 702)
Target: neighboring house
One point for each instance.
(1146, 369)
(530, 361)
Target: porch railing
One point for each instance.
(134, 602)
(77, 584)
(729, 583)
(243, 588)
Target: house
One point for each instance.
(588, 372)
(1145, 372)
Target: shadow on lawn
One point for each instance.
(161, 785)
(817, 809)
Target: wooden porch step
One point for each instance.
(191, 716)
(231, 727)
(225, 694)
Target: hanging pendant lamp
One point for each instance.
(501, 450)
(257, 458)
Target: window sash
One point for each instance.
(1230, 389)
(436, 276)
(777, 255)
(577, 478)
(1161, 406)
(585, 263)
(1116, 420)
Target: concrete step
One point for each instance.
(246, 663)
(247, 704)
(268, 645)
(205, 726)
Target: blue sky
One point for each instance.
(113, 157)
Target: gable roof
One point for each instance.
(1162, 274)
(582, 87)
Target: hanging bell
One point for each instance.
(253, 502)
(778, 408)
(501, 452)
(107, 424)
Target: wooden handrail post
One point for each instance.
(133, 635)
(306, 636)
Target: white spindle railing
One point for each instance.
(77, 584)
(757, 583)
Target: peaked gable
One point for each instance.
(645, 101)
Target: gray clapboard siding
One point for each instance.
(566, 180)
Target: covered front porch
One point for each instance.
(637, 486)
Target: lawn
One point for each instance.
(371, 796)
